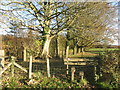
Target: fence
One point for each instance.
(83, 63)
(13, 63)
(57, 68)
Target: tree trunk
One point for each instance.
(75, 50)
(25, 54)
(45, 53)
(48, 66)
(57, 47)
(67, 51)
(81, 49)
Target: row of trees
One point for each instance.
(81, 24)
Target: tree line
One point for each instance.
(55, 27)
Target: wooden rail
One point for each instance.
(77, 61)
(13, 63)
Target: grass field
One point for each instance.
(101, 49)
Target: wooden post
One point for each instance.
(48, 66)
(24, 54)
(2, 56)
(0, 41)
(81, 75)
(12, 67)
(95, 73)
(30, 68)
(0, 77)
(3, 61)
(72, 73)
(67, 67)
(5, 68)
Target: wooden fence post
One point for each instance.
(72, 73)
(48, 66)
(81, 75)
(67, 67)
(1, 78)
(95, 70)
(24, 54)
(30, 68)
(12, 67)
(3, 61)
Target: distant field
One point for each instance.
(92, 52)
(102, 49)
(85, 54)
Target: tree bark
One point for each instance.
(57, 47)
(75, 50)
(67, 51)
(81, 49)
(46, 47)
(45, 53)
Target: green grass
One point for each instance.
(80, 56)
(101, 49)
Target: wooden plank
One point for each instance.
(79, 63)
(2, 53)
(20, 67)
(75, 63)
(5, 68)
(12, 67)
(65, 60)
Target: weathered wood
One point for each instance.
(81, 75)
(5, 68)
(75, 49)
(30, 68)
(80, 63)
(70, 63)
(2, 56)
(3, 61)
(67, 68)
(95, 70)
(67, 51)
(77, 59)
(0, 80)
(72, 73)
(12, 67)
(20, 67)
(48, 66)
(25, 54)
